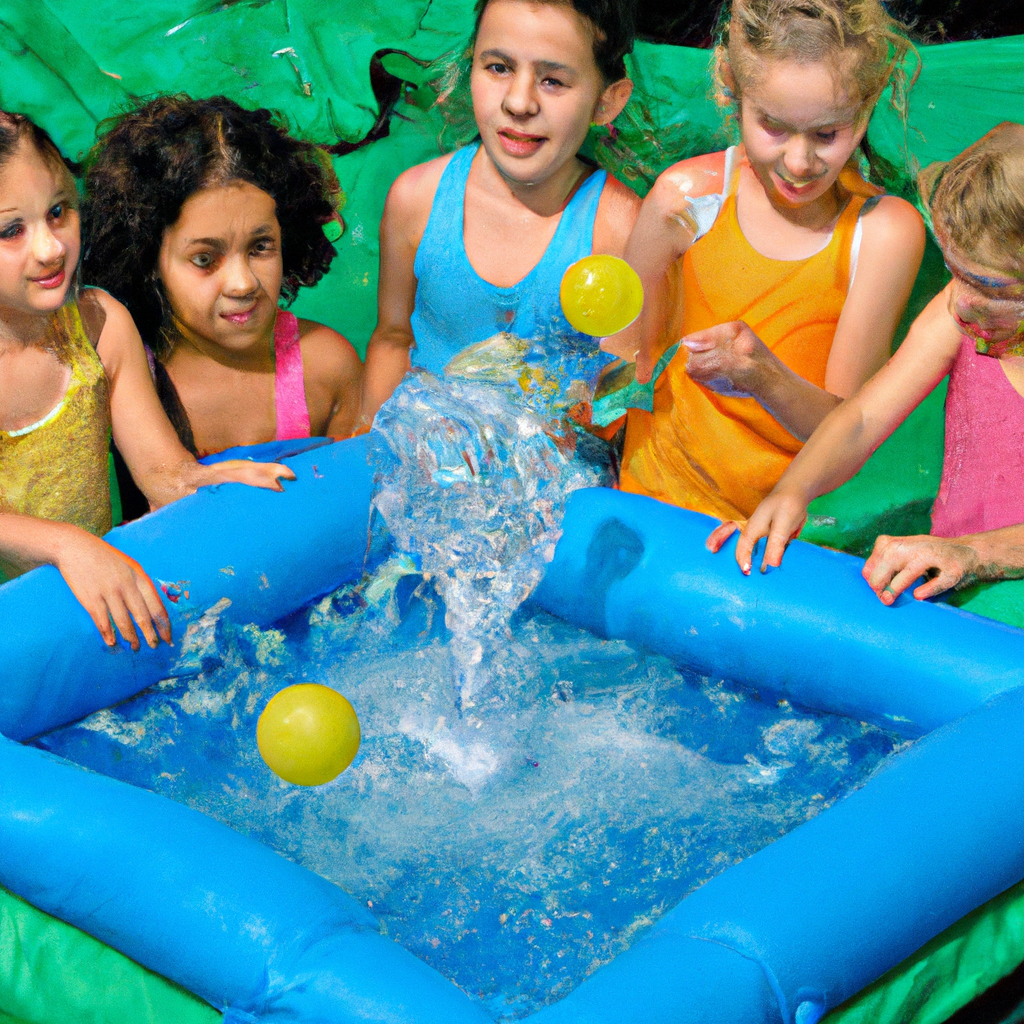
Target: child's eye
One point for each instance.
(773, 130)
(202, 260)
(56, 211)
(12, 230)
(553, 82)
(263, 247)
(828, 136)
(498, 68)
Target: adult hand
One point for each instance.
(896, 562)
(729, 359)
(780, 518)
(110, 585)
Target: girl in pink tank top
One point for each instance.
(201, 216)
(974, 332)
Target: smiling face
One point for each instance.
(220, 265)
(536, 87)
(39, 233)
(799, 129)
(987, 303)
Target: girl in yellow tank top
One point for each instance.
(72, 371)
(788, 302)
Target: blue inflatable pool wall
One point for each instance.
(785, 935)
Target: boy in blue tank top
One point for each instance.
(473, 245)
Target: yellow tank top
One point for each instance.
(720, 455)
(57, 468)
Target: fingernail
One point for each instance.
(746, 568)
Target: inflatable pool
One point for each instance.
(787, 934)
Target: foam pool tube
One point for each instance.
(251, 933)
(244, 553)
(636, 569)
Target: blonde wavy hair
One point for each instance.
(976, 200)
(866, 47)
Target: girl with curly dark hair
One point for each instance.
(73, 371)
(200, 216)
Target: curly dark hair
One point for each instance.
(149, 161)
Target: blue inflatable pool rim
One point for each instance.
(785, 935)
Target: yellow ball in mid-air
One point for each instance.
(308, 734)
(601, 295)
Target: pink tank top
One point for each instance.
(983, 470)
(289, 385)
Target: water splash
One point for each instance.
(472, 485)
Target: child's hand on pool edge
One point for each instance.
(241, 471)
(111, 586)
(780, 518)
(896, 562)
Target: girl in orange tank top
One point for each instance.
(789, 300)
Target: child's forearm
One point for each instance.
(387, 362)
(27, 541)
(797, 404)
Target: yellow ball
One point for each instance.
(601, 295)
(308, 734)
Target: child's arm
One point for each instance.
(665, 228)
(107, 583)
(849, 434)
(731, 359)
(161, 467)
(405, 219)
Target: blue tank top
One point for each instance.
(456, 308)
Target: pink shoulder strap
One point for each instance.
(289, 387)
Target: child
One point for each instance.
(199, 216)
(974, 331)
(790, 301)
(476, 242)
(72, 367)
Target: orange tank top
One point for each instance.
(722, 455)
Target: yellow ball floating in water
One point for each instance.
(308, 734)
(601, 295)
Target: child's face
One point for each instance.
(536, 87)
(39, 236)
(798, 130)
(987, 303)
(220, 265)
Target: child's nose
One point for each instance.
(521, 98)
(800, 158)
(238, 277)
(46, 246)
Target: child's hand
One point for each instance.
(896, 562)
(729, 359)
(780, 518)
(242, 471)
(110, 585)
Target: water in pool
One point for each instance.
(528, 798)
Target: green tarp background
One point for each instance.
(70, 64)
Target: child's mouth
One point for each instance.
(51, 280)
(518, 143)
(239, 318)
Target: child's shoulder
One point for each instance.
(415, 186)
(696, 176)
(103, 317)
(891, 224)
(325, 352)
